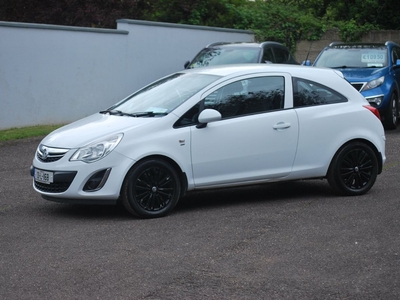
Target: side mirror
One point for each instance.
(306, 63)
(207, 116)
(186, 64)
(398, 62)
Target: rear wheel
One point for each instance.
(151, 189)
(353, 170)
(391, 114)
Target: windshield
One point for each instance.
(163, 96)
(218, 56)
(353, 56)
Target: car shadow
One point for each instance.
(271, 192)
(207, 199)
(88, 212)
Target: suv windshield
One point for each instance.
(223, 56)
(353, 56)
(162, 96)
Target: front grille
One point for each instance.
(53, 187)
(47, 154)
(358, 85)
(48, 158)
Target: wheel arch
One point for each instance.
(364, 141)
(182, 175)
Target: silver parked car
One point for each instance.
(215, 127)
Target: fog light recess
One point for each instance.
(375, 101)
(97, 180)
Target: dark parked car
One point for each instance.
(241, 53)
(373, 69)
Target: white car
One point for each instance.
(215, 127)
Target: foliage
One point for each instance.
(85, 13)
(271, 20)
(25, 132)
(285, 21)
(350, 31)
(196, 12)
(378, 13)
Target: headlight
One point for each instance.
(97, 150)
(374, 83)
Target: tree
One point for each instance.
(379, 13)
(277, 21)
(284, 21)
(86, 13)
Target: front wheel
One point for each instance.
(151, 189)
(353, 170)
(391, 115)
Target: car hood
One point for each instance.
(92, 128)
(362, 74)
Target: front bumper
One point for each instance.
(78, 182)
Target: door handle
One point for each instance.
(281, 126)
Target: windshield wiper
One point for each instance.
(111, 112)
(345, 67)
(147, 114)
(115, 112)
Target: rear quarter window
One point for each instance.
(310, 93)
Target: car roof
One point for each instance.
(242, 44)
(383, 44)
(242, 69)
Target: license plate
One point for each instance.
(43, 176)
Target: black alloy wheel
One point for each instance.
(353, 170)
(151, 189)
(391, 116)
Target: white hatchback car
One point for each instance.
(215, 127)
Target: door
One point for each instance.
(255, 140)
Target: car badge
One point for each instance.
(44, 152)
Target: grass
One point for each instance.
(26, 132)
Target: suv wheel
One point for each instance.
(391, 115)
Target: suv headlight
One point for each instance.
(96, 150)
(374, 83)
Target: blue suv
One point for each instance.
(373, 69)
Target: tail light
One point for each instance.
(374, 110)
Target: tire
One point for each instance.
(391, 115)
(151, 189)
(353, 170)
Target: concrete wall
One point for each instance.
(48, 73)
(58, 74)
(158, 49)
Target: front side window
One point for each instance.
(254, 95)
(309, 93)
(243, 97)
(268, 56)
(396, 54)
(281, 56)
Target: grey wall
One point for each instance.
(158, 49)
(58, 74)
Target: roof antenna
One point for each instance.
(307, 62)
